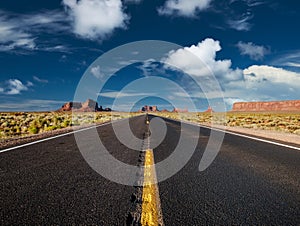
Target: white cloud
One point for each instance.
(30, 105)
(15, 86)
(11, 37)
(117, 94)
(255, 83)
(290, 59)
(231, 101)
(96, 19)
(186, 8)
(253, 3)
(200, 60)
(241, 24)
(57, 48)
(21, 31)
(292, 64)
(257, 74)
(133, 1)
(263, 83)
(96, 72)
(255, 52)
(148, 67)
(40, 80)
(28, 84)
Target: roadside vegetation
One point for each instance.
(24, 124)
(283, 122)
(29, 123)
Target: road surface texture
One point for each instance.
(250, 182)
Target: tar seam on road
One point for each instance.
(151, 208)
(145, 209)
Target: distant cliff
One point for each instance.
(88, 106)
(290, 105)
(178, 110)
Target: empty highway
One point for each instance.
(250, 182)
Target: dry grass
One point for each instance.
(283, 122)
(23, 124)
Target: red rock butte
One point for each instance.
(88, 106)
(289, 105)
(147, 108)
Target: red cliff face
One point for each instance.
(87, 106)
(209, 110)
(178, 110)
(70, 105)
(290, 105)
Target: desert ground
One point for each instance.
(21, 127)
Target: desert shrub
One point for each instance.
(33, 129)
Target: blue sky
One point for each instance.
(251, 47)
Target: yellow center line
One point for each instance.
(151, 212)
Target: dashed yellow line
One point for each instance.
(151, 212)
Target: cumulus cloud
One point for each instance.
(257, 74)
(255, 52)
(96, 72)
(96, 19)
(263, 83)
(200, 60)
(230, 101)
(186, 8)
(251, 84)
(14, 86)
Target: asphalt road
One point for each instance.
(250, 182)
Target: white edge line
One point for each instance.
(60, 135)
(237, 134)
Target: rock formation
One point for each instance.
(209, 110)
(88, 106)
(290, 105)
(178, 110)
(70, 105)
(147, 108)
